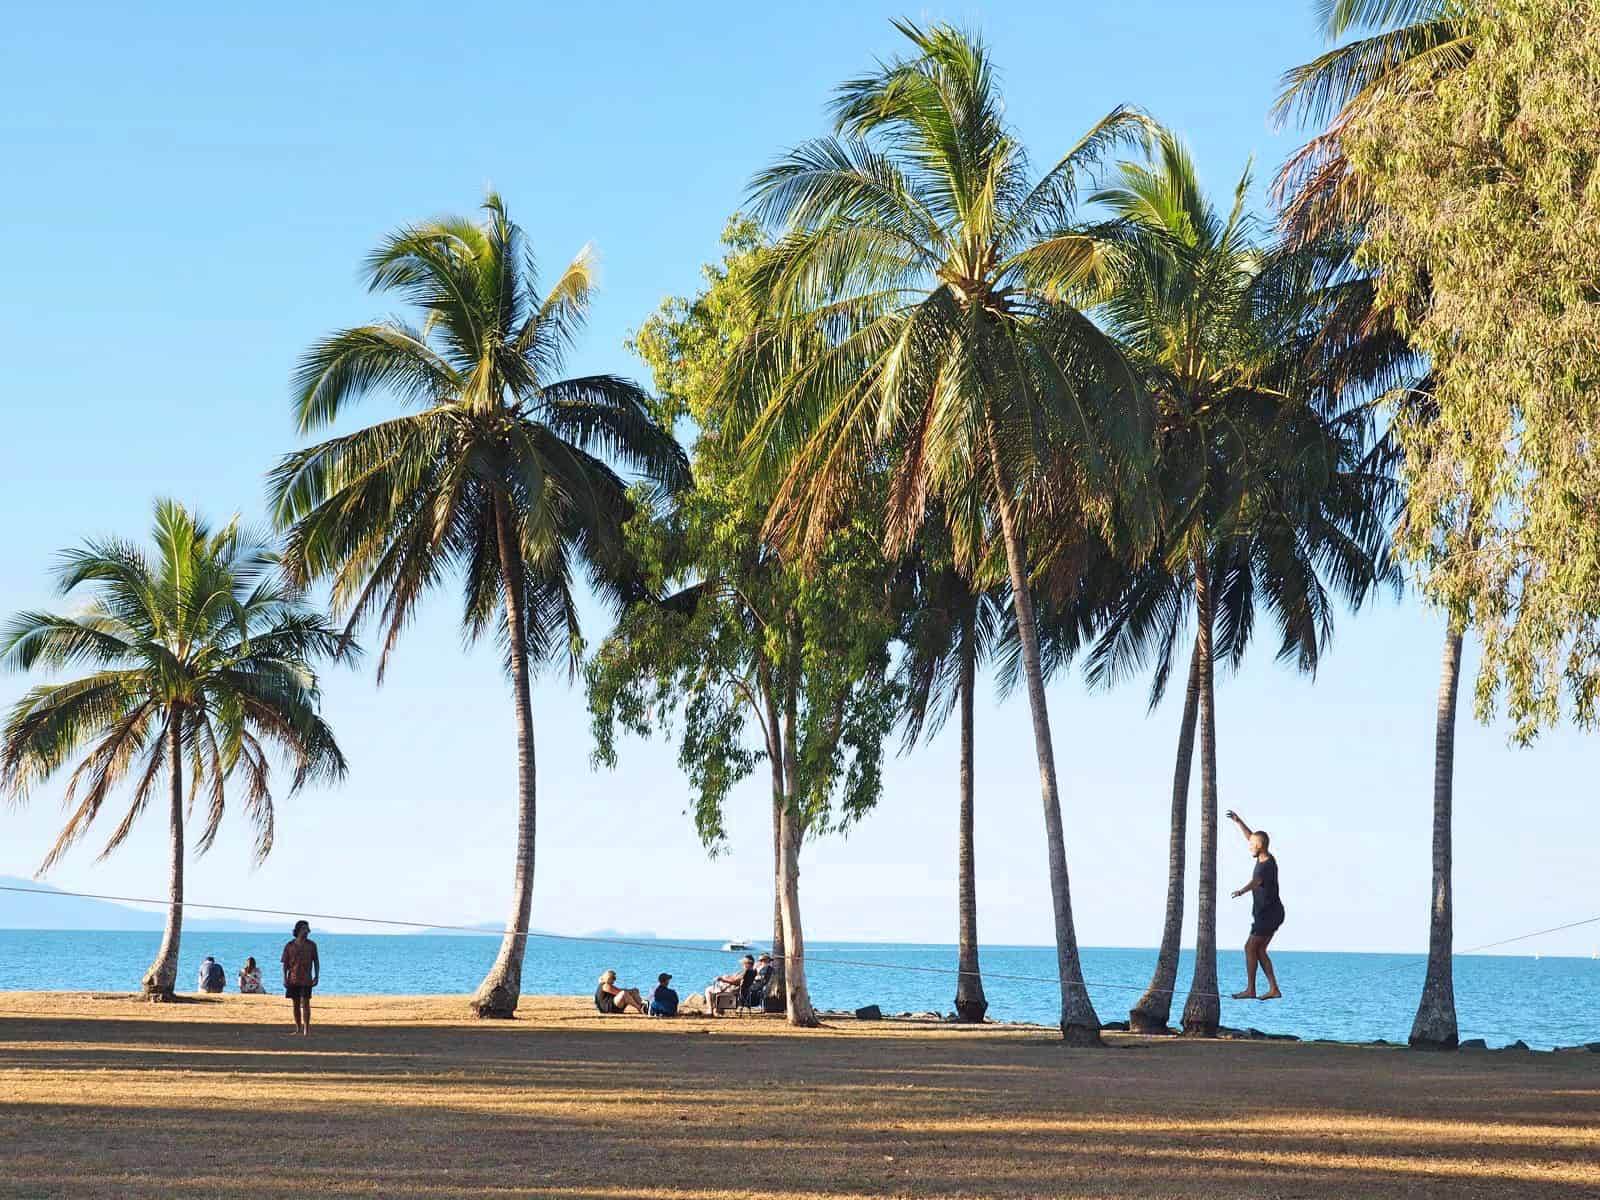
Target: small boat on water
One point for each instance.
(736, 945)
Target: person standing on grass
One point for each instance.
(301, 971)
(1266, 912)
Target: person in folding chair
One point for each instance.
(726, 991)
(753, 995)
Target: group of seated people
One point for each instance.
(744, 988)
(214, 979)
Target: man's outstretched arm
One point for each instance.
(1239, 821)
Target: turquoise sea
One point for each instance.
(1356, 997)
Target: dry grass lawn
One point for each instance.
(106, 1096)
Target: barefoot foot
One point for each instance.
(1274, 994)
(1244, 995)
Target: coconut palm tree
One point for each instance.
(950, 630)
(919, 301)
(496, 475)
(199, 660)
(1268, 477)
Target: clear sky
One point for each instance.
(188, 196)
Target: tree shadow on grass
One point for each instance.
(147, 1108)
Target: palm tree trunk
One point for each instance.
(1079, 1024)
(1203, 1012)
(797, 995)
(1154, 1009)
(501, 988)
(971, 1003)
(161, 980)
(1435, 1025)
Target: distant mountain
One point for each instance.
(41, 906)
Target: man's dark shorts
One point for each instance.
(1266, 924)
(298, 991)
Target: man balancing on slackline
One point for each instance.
(1266, 912)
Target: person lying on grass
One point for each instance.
(1266, 912)
(609, 998)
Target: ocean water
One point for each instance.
(1354, 997)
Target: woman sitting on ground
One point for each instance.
(250, 979)
(609, 998)
(735, 984)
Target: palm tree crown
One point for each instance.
(201, 655)
(922, 296)
(1267, 467)
(500, 442)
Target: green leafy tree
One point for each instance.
(199, 663)
(1503, 456)
(747, 657)
(1404, 47)
(1272, 493)
(919, 323)
(498, 475)
(1487, 269)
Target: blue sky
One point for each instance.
(189, 195)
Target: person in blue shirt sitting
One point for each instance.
(212, 977)
(664, 1001)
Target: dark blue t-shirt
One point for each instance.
(664, 1001)
(1265, 898)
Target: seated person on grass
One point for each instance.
(212, 977)
(664, 1001)
(250, 978)
(609, 998)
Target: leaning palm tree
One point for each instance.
(200, 661)
(918, 307)
(1267, 476)
(496, 475)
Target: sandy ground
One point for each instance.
(403, 1097)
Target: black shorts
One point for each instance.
(1267, 923)
(298, 991)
